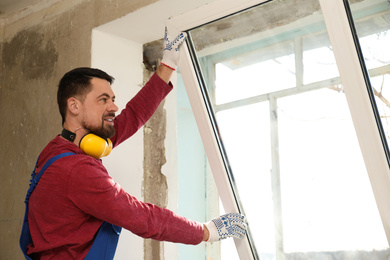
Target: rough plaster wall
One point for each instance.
(276, 13)
(155, 188)
(35, 51)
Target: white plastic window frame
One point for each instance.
(352, 77)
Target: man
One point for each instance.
(77, 210)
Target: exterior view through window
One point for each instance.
(284, 126)
(372, 23)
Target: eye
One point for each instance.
(104, 100)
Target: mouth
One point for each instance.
(109, 120)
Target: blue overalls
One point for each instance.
(105, 243)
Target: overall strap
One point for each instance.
(25, 236)
(105, 243)
(34, 179)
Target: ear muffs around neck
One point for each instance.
(90, 144)
(95, 146)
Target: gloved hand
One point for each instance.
(228, 225)
(171, 51)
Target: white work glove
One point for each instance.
(228, 225)
(171, 53)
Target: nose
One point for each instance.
(113, 107)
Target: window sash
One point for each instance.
(351, 74)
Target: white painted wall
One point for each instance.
(122, 59)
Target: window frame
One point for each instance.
(352, 76)
(352, 73)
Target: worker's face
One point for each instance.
(99, 109)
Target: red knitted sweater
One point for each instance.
(76, 193)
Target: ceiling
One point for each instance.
(153, 16)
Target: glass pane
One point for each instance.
(250, 160)
(372, 22)
(319, 59)
(282, 118)
(281, 72)
(325, 190)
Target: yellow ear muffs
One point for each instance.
(95, 146)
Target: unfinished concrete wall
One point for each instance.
(155, 188)
(35, 51)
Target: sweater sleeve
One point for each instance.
(94, 192)
(140, 108)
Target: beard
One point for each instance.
(104, 131)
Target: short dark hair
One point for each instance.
(77, 83)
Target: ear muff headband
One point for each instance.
(95, 146)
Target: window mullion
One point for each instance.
(298, 61)
(275, 179)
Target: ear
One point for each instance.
(74, 105)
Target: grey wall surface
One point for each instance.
(35, 51)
